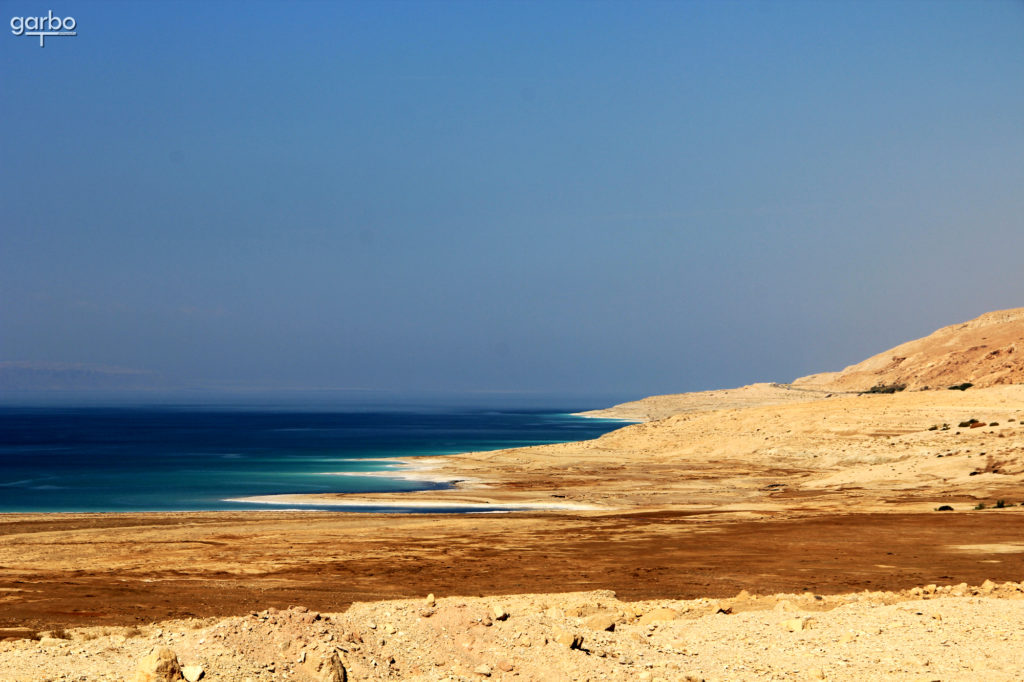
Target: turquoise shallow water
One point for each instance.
(105, 459)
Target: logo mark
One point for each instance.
(44, 26)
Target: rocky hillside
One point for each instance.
(985, 351)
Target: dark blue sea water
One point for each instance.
(105, 459)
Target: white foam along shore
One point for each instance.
(419, 469)
(585, 415)
(314, 501)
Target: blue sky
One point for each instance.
(559, 198)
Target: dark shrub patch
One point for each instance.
(882, 388)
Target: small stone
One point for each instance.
(484, 670)
(429, 601)
(568, 639)
(193, 673)
(794, 624)
(498, 613)
(988, 587)
(816, 674)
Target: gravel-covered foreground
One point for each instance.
(944, 633)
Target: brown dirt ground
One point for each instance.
(135, 568)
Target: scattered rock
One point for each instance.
(601, 621)
(484, 670)
(332, 670)
(498, 613)
(160, 666)
(568, 639)
(797, 624)
(658, 615)
(194, 673)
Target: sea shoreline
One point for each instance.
(194, 460)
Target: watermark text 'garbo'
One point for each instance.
(44, 26)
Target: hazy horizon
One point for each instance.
(498, 201)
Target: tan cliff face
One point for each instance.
(986, 351)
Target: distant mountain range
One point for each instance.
(57, 376)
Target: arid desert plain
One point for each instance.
(770, 532)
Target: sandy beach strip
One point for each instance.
(398, 503)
